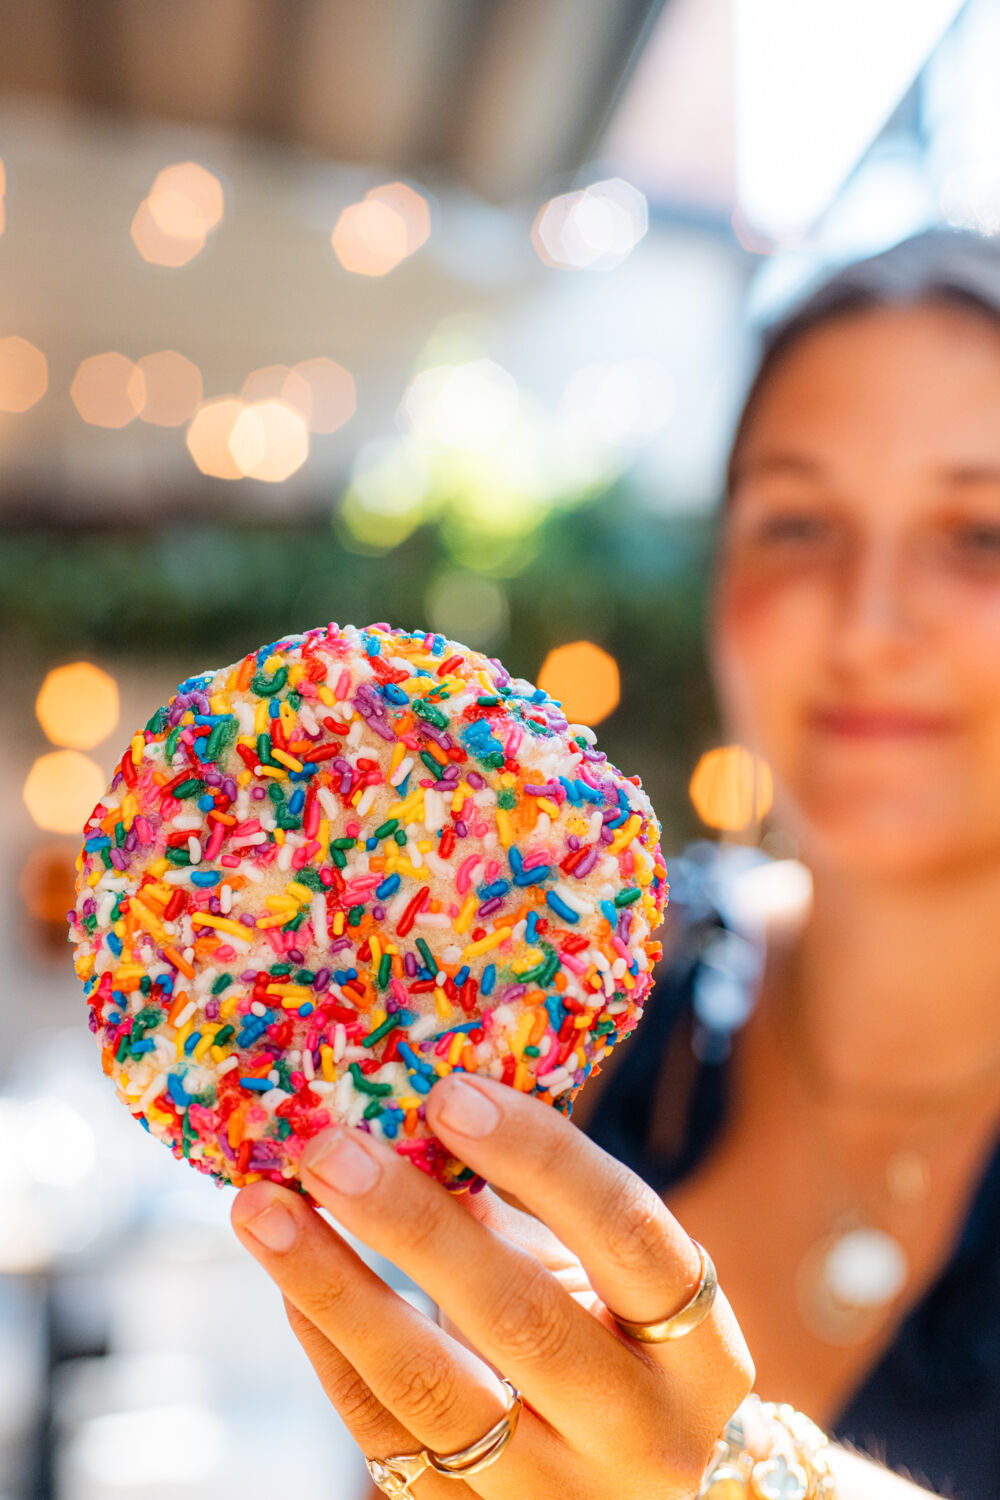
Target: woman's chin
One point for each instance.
(888, 840)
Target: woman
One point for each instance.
(841, 1163)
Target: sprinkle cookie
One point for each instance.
(330, 874)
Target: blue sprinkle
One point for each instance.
(531, 926)
(192, 1042)
(617, 821)
(394, 693)
(257, 1085)
(589, 793)
(371, 843)
(390, 885)
(205, 877)
(390, 1120)
(516, 862)
(307, 1009)
(176, 1089)
(114, 943)
(608, 911)
(421, 1084)
(206, 803)
(297, 801)
(571, 789)
(463, 975)
(146, 1045)
(465, 1028)
(560, 907)
(488, 980)
(274, 709)
(538, 696)
(556, 1010)
(534, 876)
(112, 1018)
(99, 841)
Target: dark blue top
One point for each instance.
(931, 1406)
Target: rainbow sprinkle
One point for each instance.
(330, 874)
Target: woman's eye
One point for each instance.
(793, 527)
(979, 540)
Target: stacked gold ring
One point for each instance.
(395, 1475)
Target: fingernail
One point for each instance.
(466, 1110)
(275, 1228)
(342, 1164)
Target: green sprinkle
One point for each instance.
(372, 1110)
(507, 799)
(488, 701)
(427, 955)
(223, 1034)
(532, 1052)
(384, 971)
(120, 835)
(221, 737)
(294, 700)
(266, 686)
(264, 749)
(310, 878)
(339, 857)
(170, 745)
(384, 829)
(389, 1024)
(305, 976)
(222, 983)
(342, 843)
(177, 856)
(191, 787)
(280, 969)
(627, 896)
(424, 709)
(158, 723)
(434, 766)
(354, 916)
(274, 791)
(400, 837)
(365, 1085)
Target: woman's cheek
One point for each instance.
(765, 656)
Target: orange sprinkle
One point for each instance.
(245, 673)
(179, 962)
(410, 1122)
(469, 1058)
(180, 1000)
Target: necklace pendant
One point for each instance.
(848, 1280)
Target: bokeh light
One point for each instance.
(333, 397)
(77, 705)
(108, 390)
(372, 237)
(624, 402)
(468, 608)
(208, 437)
(185, 204)
(470, 406)
(3, 197)
(388, 495)
(592, 229)
(24, 374)
(584, 678)
(173, 388)
(62, 790)
(47, 885)
(269, 441)
(158, 247)
(731, 788)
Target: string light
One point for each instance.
(584, 678)
(108, 390)
(731, 788)
(62, 790)
(77, 705)
(24, 374)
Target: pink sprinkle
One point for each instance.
(572, 962)
(343, 684)
(231, 861)
(491, 871)
(481, 829)
(352, 829)
(214, 841)
(226, 952)
(143, 831)
(463, 875)
(310, 823)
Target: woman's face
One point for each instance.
(856, 632)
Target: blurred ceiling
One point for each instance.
(497, 94)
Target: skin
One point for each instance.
(856, 639)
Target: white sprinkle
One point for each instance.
(367, 798)
(423, 1027)
(185, 1015)
(284, 859)
(595, 825)
(317, 908)
(194, 849)
(570, 897)
(328, 803)
(151, 1093)
(185, 823)
(414, 855)
(225, 899)
(402, 771)
(440, 867)
(227, 1066)
(354, 736)
(307, 1064)
(433, 810)
(339, 1041)
(258, 1008)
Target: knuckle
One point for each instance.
(529, 1319)
(425, 1387)
(326, 1301)
(637, 1235)
(356, 1402)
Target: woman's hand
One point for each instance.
(604, 1417)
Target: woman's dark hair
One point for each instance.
(940, 265)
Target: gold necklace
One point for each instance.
(851, 1277)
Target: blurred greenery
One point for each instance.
(206, 589)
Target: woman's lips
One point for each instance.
(880, 723)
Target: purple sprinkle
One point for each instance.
(461, 829)
(607, 837)
(587, 863)
(248, 920)
(212, 1010)
(212, 778)
(258, 793)
(514, 992)
(573, 841)
(489, 907)
(378, 912)
(322, 979)
(476, 781)
(229, 787)
(131, 839)
(409, 964)
(248, 976)
(215, 906)
(119, 859)
(296, 955)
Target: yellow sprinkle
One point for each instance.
(300, 892)
(187, 717)
(466, 914)
(229, 1004)
(182, 1036)
(279, 836)
(279, 920)
(95, 875)
(295, 672)
(523, 1079)
(219, 702)
(244, 778)
(528, 960)
(625, 835)
(546, 804)
(377, 1017)
(138, 745)
(491, 940)
(409, 1101)
(505, 827)
(286, 759)
(376, 951)
(143, 915)
(523, 1032)
(398, 751)
(157, 868)
(260, 718)
(327, 1065)
(338, 923)
(224, 924)
(276, 773)
(207, 1039)
(455, 1050)
(441, 1002)
(273, 662)
(323, 834)
(325, 695)
(358, 795)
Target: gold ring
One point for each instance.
(395, 1475)
(685, 1318)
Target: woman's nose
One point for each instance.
(877, 608)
